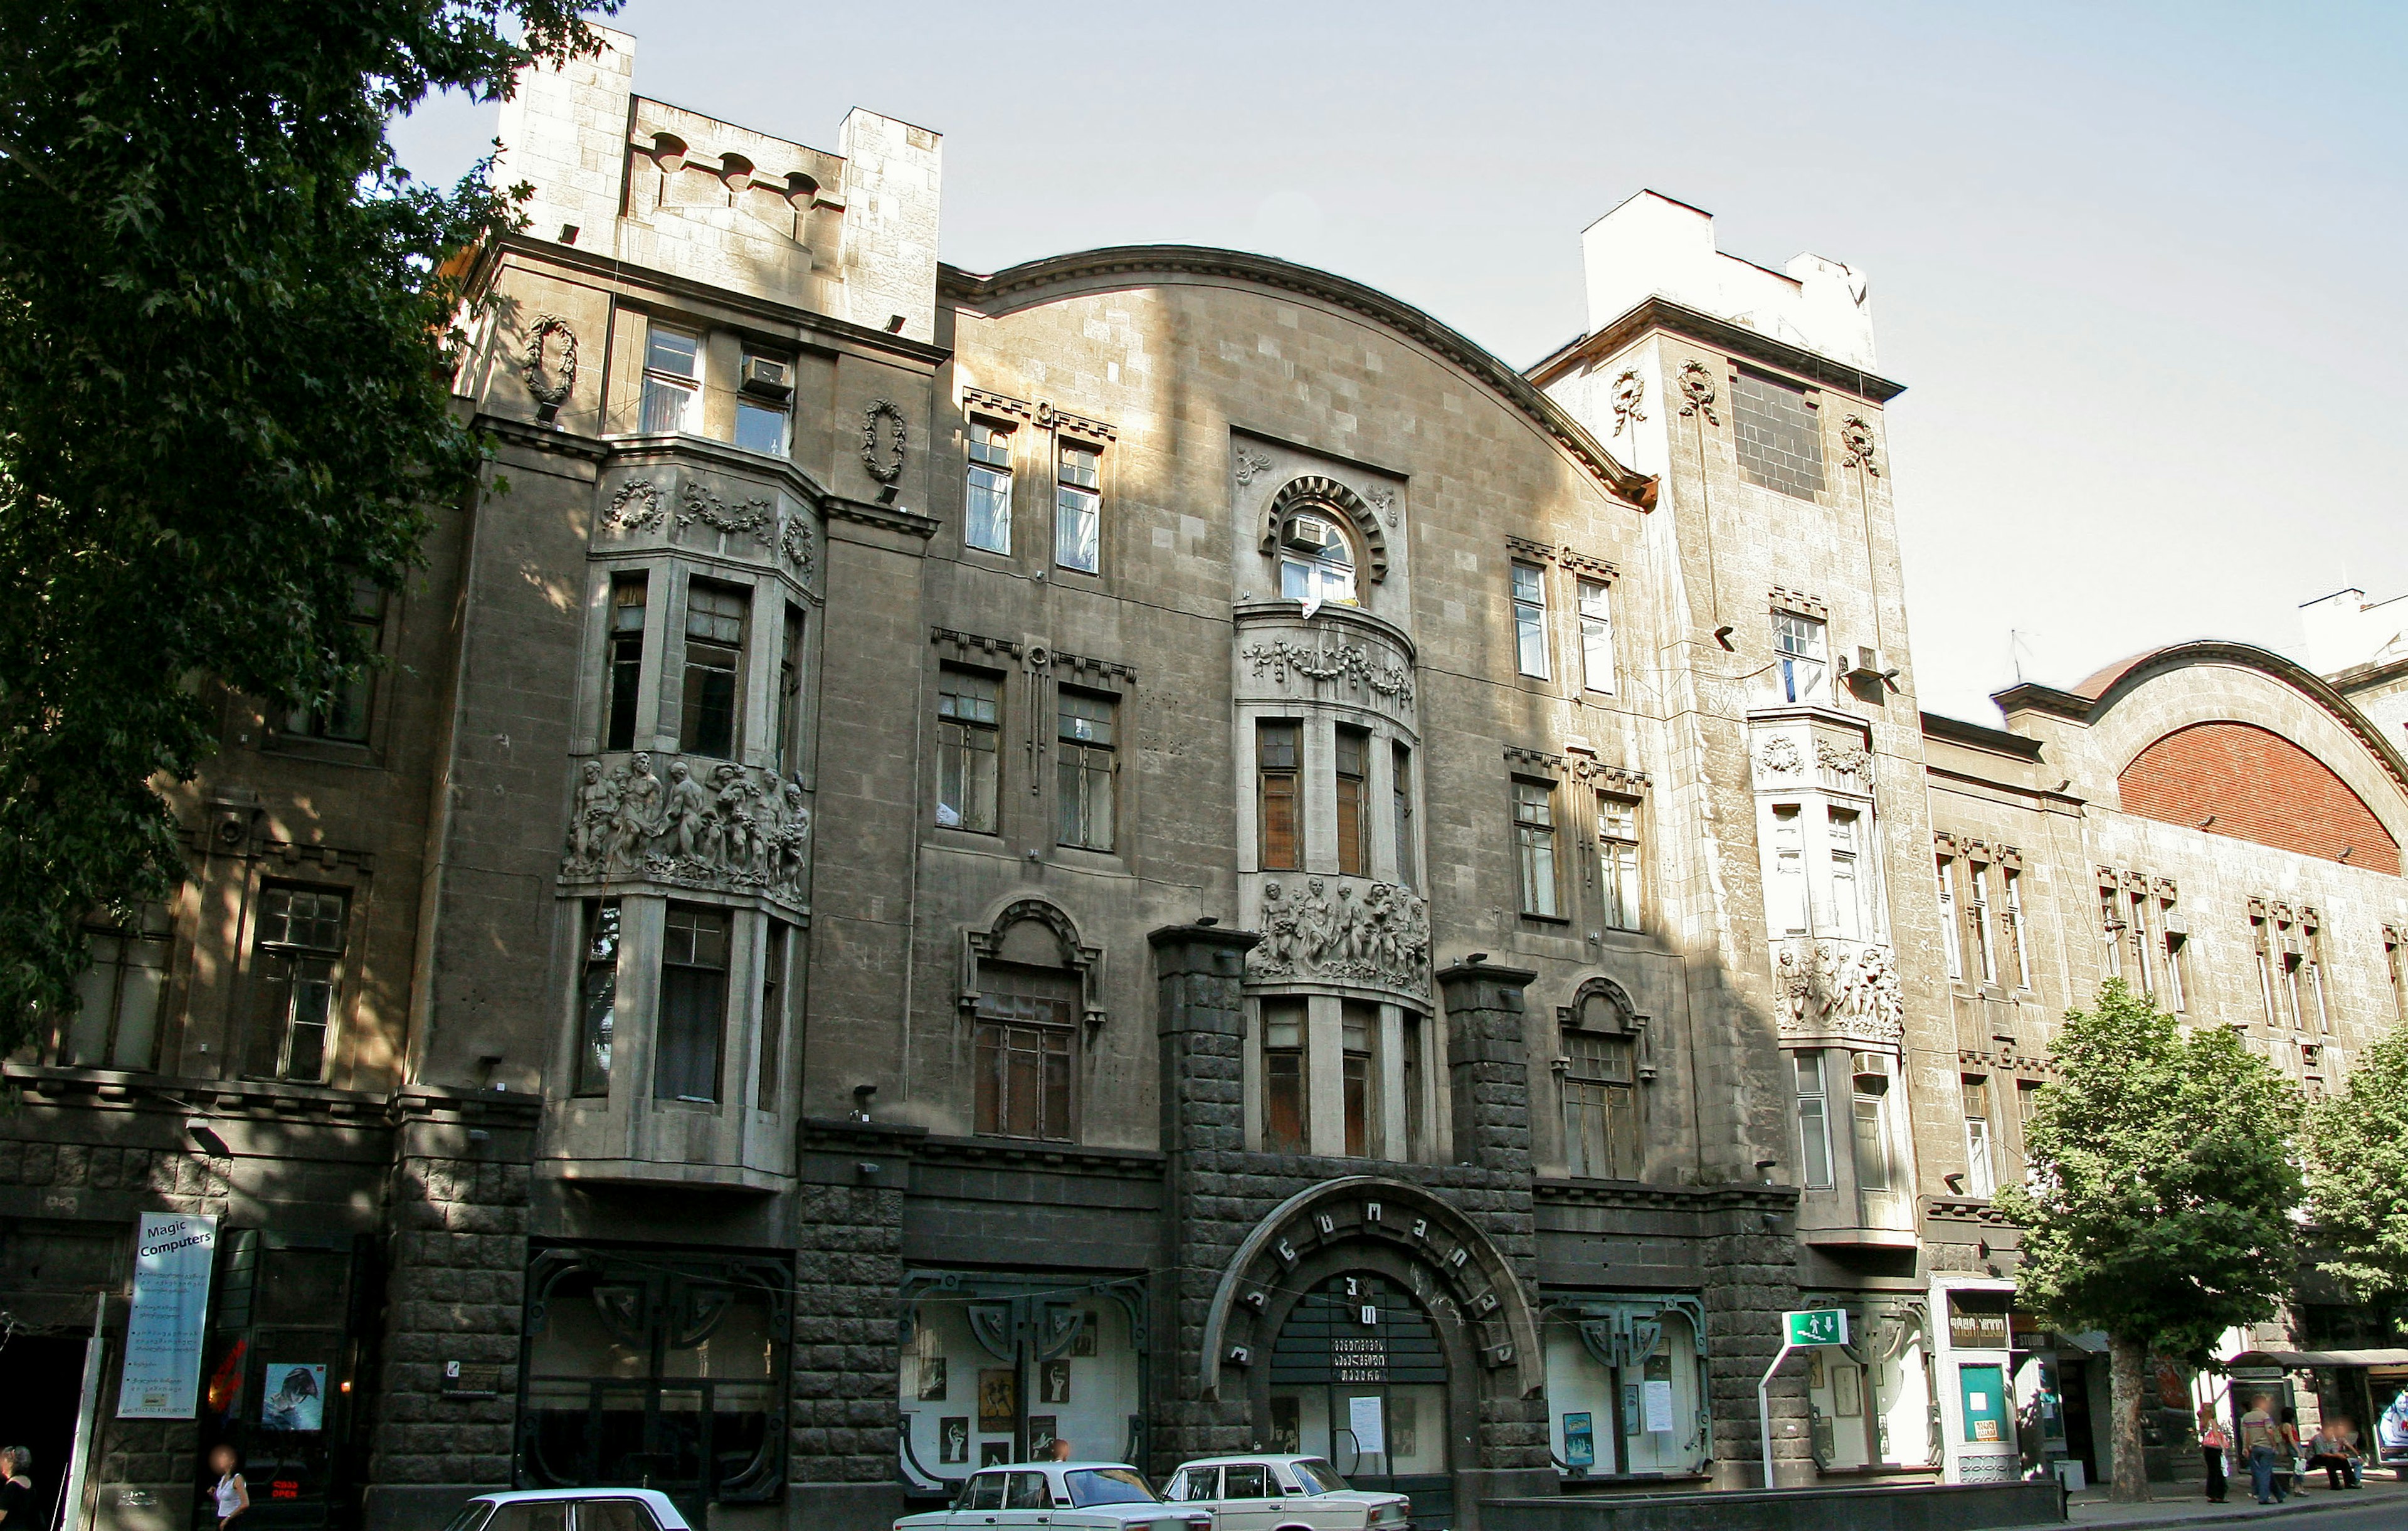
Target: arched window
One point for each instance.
(1316, 560)
(1600, 1071)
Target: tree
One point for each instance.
(226, 315)
(2159, 1205)
(2358, 1173)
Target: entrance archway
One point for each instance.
(1358, 1376)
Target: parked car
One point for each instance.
(1090, 1496)
(570, 1509)
(1283, 1493)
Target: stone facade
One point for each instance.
(1137, 850)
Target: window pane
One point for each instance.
(1077, 529)
(1597, 637)
(1350, 789)
(598, 1021)
(1814, 1136)
(668, 407)
(1530, 620)
(987, 516)
(1401, 812)
(1277, 747)
(1872, 1143)
(626, 661)
(670, 351)
(1284, 1102)
(761, 429)
(693, 1005)
(1534, 816)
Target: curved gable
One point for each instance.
(2252, 783)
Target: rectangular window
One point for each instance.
(120, 995)
(1802, 661)
(1981, 1177)
(694, 1004)
(2111, 933)
(2260, 940)
(1277, 782)
(767, 1087)
(2143, 966)
(1600, 1107)
(1786, 904)
(597, 998)
(1979, 961)
(1353, 854)
(1534, 834)
(1872, 1117)
(986, 509)
(295, 956)
(1617, 855)
(344, 716)
(2292, 991)
(2013, 964)
(1814, 1123)
(1850, 905)
(762, 405)
(2170, 921)
(1084, 770)
(1950, 947)
(790, 692)
(1530, 618)
(1027, 1026)
(1078, 510)
(672, 389)
(1411, 1071)
(1774, 424)
(2026, 1112)
(2319, 1004)
(2396, 963)
(1283, 1090)
(1597, 636)
(1359, 1025)
(1400, 794)
(714, 653)
(968, 705)
(624, 661)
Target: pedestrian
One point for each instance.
(232, 1493)
(16, 1487)
(1061, 1449)
(2212, 1443)
(2288, 1480)
(2260, 1436)
(2333, 1449)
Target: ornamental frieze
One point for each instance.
(1313, 931)
(1347, 664)
(1835, 988)
(708, 824)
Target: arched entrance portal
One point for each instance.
(1358, 1375)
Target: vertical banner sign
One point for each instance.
(172, 1255)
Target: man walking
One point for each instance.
(2261, 1441)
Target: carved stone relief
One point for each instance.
(1857, 437)
(1347, 662)
(549, 391)
(1383, 503)
(635, 508)
(1630, 392)
(1834, 988)
(1381, 938)
(640, 506)
(1249, 465)
(881, 449)
(1780, 755)
(758, 517)
(1697, 387)
(730, 827)
(1853, 762)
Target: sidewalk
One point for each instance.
(2178, 1507)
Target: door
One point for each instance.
(1250, 1498)
(1359, 1377)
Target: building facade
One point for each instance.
(1153, 849)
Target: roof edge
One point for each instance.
(1738, 339)
(2001, 741)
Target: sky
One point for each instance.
(2136, 263)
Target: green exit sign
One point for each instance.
(1817, 1326)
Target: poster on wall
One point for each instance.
(1659, 1408)
(297, 1399)
(1054, 1382)
(932, 1379)
(1847, 1398)
(1363, 1419)
(1042, 1430)
(953, 1439)
(999, 1400)
(172, 1255)
(994, 1454)
(1580, 1441)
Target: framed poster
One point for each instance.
(161, 1375)
(1580, 1441)
(298, 1401)
(932, 1379)
(1085, 1343)
(953, 1438)
(998, 1401)
(1041, 1435)
(1659, 1407)
(994, 1454)
(1054, 1381)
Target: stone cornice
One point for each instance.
(1025, 283)
(1635, 1194)
(1659, 313)
(892, 518)
(1016, 1153)
(1999, 741)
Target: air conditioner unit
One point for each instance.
(1311, 535)
(767, 379)
(2176, 923)
(1868, 666)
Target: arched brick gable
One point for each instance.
(2259, 786)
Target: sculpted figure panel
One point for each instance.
(733, 827)
(1827, 987)
(1380, 938)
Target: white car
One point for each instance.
(1283, 1493)
(570, 1509)
(1091, 1496)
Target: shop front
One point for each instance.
(1974, 1368)
(1870, 1402)
(1627, 1386)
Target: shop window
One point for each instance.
(969, 709)
(343, 717)
(297, 954)
(1277, 781)
(1530, 618)
(1801, 666)
(1359, 1030)
(1625, 1387)
(1352, 790)
(598, 999)
(714, 656)
(1617, 850)
(1814, 1121)
(121, 995)
(1597, 636)
(672, 381)
(1027, 1028)
(691, 1034)
(667, 1370)
(1534, 845)
(277, 1373)
(986, 514)
(1981, 1175)
(1283, 1077)
(1086, 769)
(1600, 1088)
(1316, 560)
(623, 662)
(1400, 806)
(1078, 509)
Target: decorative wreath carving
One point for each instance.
(883, 458)
(1313, 491)
(1697, 387)
(1630, 392)
(550, 396)
(1857, 437)
(635, 508)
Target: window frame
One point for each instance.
(598, 982)
(1608, 1103)
(1746, 385)
(1076, 498)
(154, 927)
(988, 459)
(1621, 864)
(758, 405)
(694, 681)
(1532, 643)
(1981, 1165)
(356, 698)
(296, 953)
(1951, 943)
(1281, 785)
(1400, 808)
(689, 384)
(1327, 579)
(1005, 1023)
(1358, 1079)
(1801, 652)
(1537, 850)
(1815, 1124)
(1352, 793)
(1085, 767)
(1597, 632)
(769, 1040)
(622, 655)
(716, 1029)
(1293, 1056)
(960, 750)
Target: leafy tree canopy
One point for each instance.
(224, 319)
(2357, 1172)
(2160, 1208)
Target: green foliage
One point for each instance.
(2357, 1172)
(224, 319)
(2161, 1208)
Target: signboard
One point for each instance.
(1983, 1389)
(1363, 1419)
(1580, 1441)
(172, 1257)
(1817, 1326)
(1977, 1321)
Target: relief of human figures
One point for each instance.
(1855, 993)
(741, 829)
(1382, 937)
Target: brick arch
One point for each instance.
(2257, 786)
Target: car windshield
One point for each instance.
(1108, 1486)
(1319, 1477)
(471, 1516)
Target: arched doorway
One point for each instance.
(1358, 1375)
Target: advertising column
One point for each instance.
(172, 1255)
(1975, 1365)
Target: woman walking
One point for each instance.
(2212, 1443)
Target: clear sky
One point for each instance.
(2136, 263)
